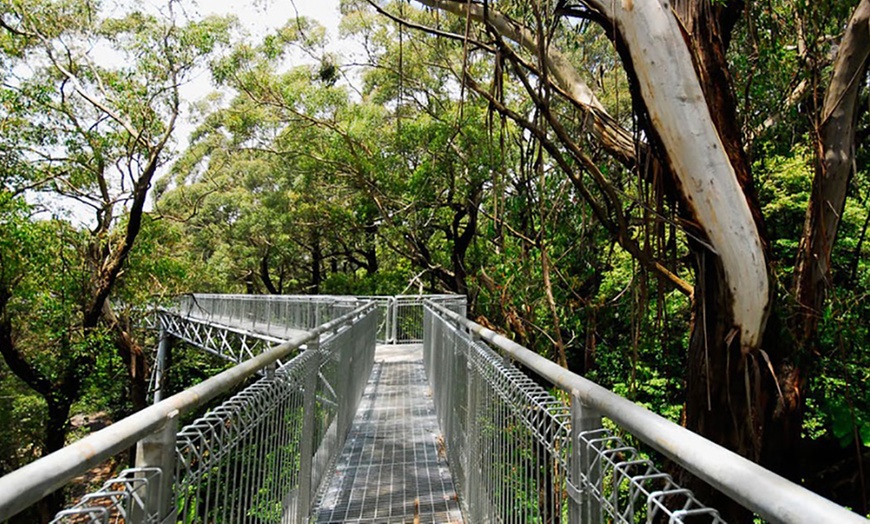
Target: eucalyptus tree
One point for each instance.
(90, 106)
(344, 194)
(264, 209)
(745, 380)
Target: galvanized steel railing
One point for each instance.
(271, 443)
(244, 461)
(402, 315)
(519, 453)
(273, 315)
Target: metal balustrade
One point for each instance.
(274, 315)
(522, 454)
(402, 315)
(259, 441)
(247, 459)
(511, 452)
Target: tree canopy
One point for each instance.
(668, 197)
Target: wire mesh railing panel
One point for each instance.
(120, 499)
(385, 305)
(238, 462)
(506, 438)
(409, 320)
(348, 357)
(511, 450)
(625, 487)
(245, 460)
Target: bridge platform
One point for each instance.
(393, 468)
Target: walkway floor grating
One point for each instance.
(392, 469)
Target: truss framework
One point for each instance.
(228, 342)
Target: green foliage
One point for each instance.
(784, 190)
(22, 416)
(296, 182)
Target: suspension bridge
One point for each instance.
(388, 410)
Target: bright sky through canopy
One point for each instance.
(261, 16)
(256, 19)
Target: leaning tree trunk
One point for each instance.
(835, 158)
(689, 110)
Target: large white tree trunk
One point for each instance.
(679, 114)
(680, 117)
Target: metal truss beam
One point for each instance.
(228, 342)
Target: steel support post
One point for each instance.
(306, 447)
(394, 320)
(158, 451)
(584, 506)
(472, 467)
(163, 349)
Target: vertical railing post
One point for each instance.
(394, 320)
(306, 447)
(317, 321)
(584, 504)
(158, 451)
(163, 348)
(269, 312)
(473, 473)
(388, 319)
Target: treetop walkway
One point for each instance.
(389, 409)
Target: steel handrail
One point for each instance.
(771, 496)
(27, 485)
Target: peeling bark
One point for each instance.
(679, 114)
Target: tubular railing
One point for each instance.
(402, 315)
(257, 457)
(275, 315)
(520, 454)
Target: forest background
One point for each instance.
(535, 156)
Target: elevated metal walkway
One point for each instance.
(394, 466)
(317, 422)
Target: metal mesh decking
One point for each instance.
(393, 467)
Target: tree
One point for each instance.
(90, 104)
(744, 378)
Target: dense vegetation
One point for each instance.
(517, 152)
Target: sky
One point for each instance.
(257, 18)
(263, 15)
